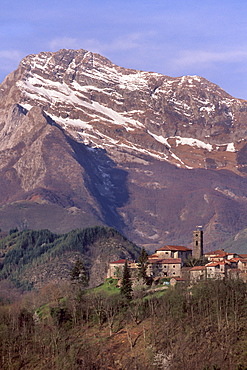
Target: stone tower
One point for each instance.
(198, 243)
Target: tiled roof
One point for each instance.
(122, 261)
(173, 248)
(234, 259)
(220, 252)
(243, 259)
(155, 260)
(198, 268)
(166, 261)
(212, 264)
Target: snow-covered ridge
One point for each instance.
(40, 89)
(109, 106)
(108, 73)
(43, 89)
(105, 71)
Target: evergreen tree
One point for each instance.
(126, 287)
(143, 264)
(79, 274)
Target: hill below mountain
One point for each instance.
(32, 259)
(84, 142)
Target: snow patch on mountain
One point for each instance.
(160, 139)
(192, 142)
(230, 147)
(39, 89)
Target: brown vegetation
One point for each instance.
(63, 327)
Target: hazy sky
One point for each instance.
(173, 37)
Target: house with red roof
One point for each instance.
(198, 273)
(165, 262)
(168, 261)
(156, 267)
(212, 270)
(164, 267)
(221, 255)
(221, 265)
(217, 270)
(172, 251)
(217, 255)
(115, 268)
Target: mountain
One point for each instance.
(85, 142)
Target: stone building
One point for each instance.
(172, 251)
(221, 265)
(217, 270)
(115, 268)
(198, 273)
(198, 243)
(166, 267)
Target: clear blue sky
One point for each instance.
(173, 37)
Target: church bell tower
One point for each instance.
(198, 243)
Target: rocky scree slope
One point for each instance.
(86, 142)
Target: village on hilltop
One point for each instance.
(171, 262)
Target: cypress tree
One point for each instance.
(126, 287)
(79, 274)
(142, 265)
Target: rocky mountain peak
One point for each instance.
(98, 143)
(103, 104)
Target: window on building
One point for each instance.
(174, 266)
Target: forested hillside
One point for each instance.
(64, 327)
(34, 258)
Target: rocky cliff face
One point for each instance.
(86, 142)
